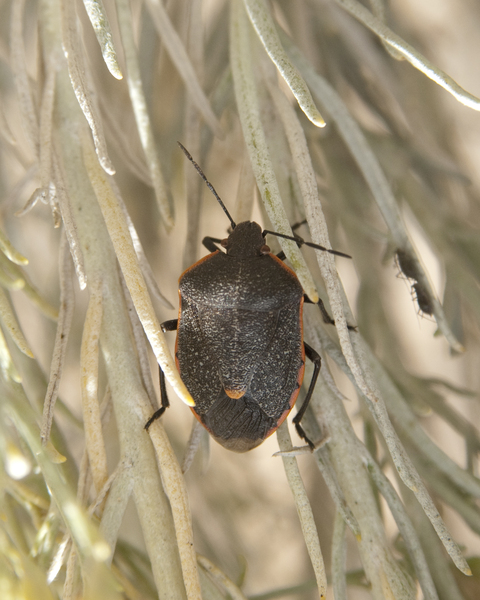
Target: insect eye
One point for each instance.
(265, 249)
(224, 243)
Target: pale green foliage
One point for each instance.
(93, 98)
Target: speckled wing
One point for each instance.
(241, 365)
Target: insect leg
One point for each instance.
(166, 326)
(281, 255)
(299, 224)
(169, 325)
(210, 243)
(163, 400)
(317, 361)
(326, 317)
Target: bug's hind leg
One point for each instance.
(166, 326)
(312, 355)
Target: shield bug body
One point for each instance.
(240, 348)
(239, 345)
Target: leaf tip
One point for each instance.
(318, 120)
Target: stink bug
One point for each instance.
(239, 347)
(407, 264)
(409, 268)
(423, 298)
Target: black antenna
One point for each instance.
(301, 242)
(209, 185)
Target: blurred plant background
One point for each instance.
(99, 207)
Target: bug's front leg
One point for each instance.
(211, 243)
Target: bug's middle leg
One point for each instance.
(326, 317)
(164, 402)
